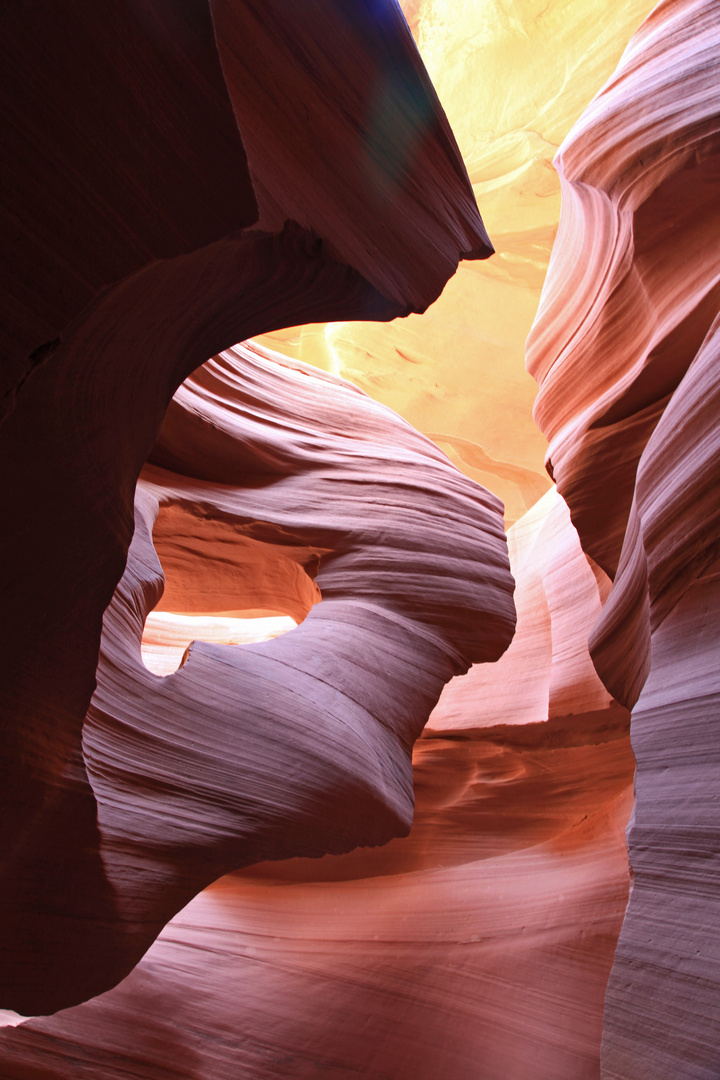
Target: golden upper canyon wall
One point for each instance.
(513, 78)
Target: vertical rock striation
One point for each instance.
(627, 353)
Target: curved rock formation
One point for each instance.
(300, 745)
(558, 598)
(345, 134)
(626, 352)
(136, 292)
(122, 148)
(71, 452)
(479, 945)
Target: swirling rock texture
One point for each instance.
(626, 349)
(480, 945)
(108, 101)
(315, 757)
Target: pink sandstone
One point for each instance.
(625, 348)
(479, 945)
(120, 292)
(168, 836)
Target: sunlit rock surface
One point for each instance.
(558, 597)
(513, 79)
(627, 352)
(167, 635)
(478, 946)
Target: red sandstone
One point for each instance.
(390, 841)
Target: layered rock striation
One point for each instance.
(301, 488)
(134, 264)
(479, 945)
(625, 348)
(191, 831)
(301, 745)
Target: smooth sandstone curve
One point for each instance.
(410, 558)
(626, 351)
(86, 411)
(480, 944)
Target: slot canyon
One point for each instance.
(361, 558)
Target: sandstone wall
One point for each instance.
(625, 348)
